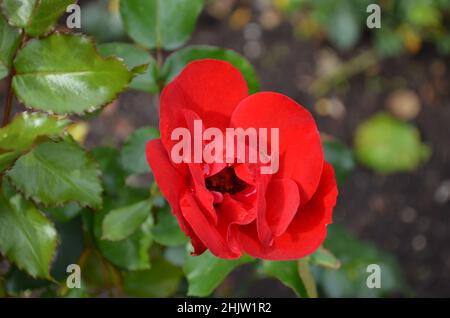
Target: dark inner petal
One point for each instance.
(226, 181)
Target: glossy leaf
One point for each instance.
(340, 157)
(121, 223)
(166, 230)
(205, 272)
(164, 24)
(27, 237)
(131, 253)
(65, 74)
(287, 273)
(26, 127)
(35, 16)
(7, 159)
(58, 173)
(9, 42)
(161, 280)
(178, 60)
(133, 156)
(387, 145)
(135, 56)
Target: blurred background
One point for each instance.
(384, 97)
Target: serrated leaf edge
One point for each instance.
(91, 109)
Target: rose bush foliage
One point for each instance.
(63, 204)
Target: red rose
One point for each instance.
(234, 208)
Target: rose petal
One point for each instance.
(172, 185)
(210, 88)
(301, 154)
(306, 232)
(283, 200)
(206, 231)
(231, 214)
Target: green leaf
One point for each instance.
(161, 280)
(135, 56)
(9, 42)
(133, 157)
(324, 258)
(35, 16)
(131, 253)
(205, 272)
(340, 157)
(113, 174)
(164, 24)
(388, 145)
(355, 256)
(26, 127)
(121, 223)
(287, 273)
(178, 60)
(27, 237)
(7, 159)
(58, 173)
(167, 231)
(65, 74)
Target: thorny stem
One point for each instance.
(8, 103)
(9, 91)
(160, 63)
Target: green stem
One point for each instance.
(159, 56)
(8, 103)
(9, 91)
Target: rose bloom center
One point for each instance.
(226, 181)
